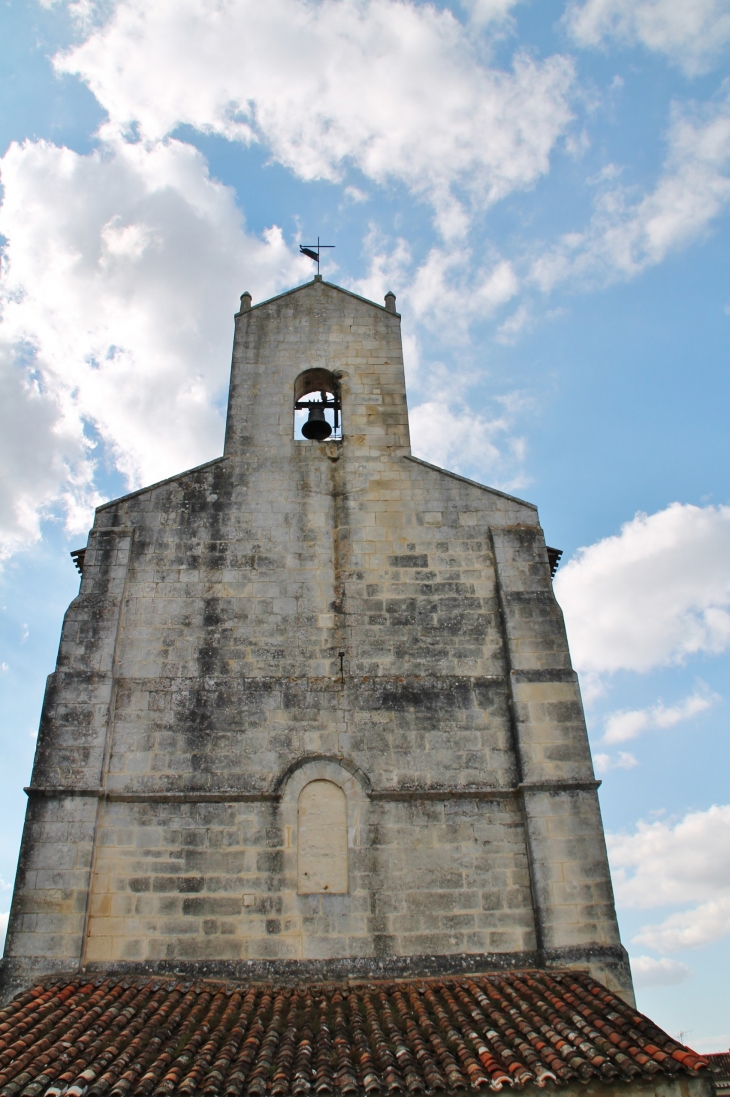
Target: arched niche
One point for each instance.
(354, 786)
(317, 391)
(322, 839)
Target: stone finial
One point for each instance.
(245, 301)
(390, 301)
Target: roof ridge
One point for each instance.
(317, 280)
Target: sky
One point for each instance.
(544, 184)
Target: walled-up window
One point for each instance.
(317, 410)
(322, 839)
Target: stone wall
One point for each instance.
(220, 881)
(300, 611)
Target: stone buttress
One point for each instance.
(313, 714)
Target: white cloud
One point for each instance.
(3, 926)
(604, 763)
(45, 464)
(631, 723)
(490, 12)
(652, 595)
(121, 275)
(457, 438)
(394, 87)
(446, 291)
(648, 972)
(389, 267)
(693, 33)
(702, 925)
(508, 332)
(628, 234)
(665, 864)
(355, 195)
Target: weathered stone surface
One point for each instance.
(295, 612)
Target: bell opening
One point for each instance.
(317, 409)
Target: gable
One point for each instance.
(318, 281)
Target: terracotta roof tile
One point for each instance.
(720, 1066)
(121, 1036)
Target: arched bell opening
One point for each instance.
(317, 408)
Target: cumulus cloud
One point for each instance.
(444, 296)
(509, 331)
(649, 972)
(495, 14)
(604, 763)
(394, 87)
(674, 864)
(457, 438)
(389, 266)
(355, 195)
(45, 457)
(120, 275)
(446, 290)
(702, 925)
(693, 33)
(652, 595)
(631, 723)
(629, 233)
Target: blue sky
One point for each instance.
(544, 185)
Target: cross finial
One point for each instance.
(308, 250)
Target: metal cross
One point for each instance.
(308, 250)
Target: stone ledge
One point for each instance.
(358, 967)
(554, 674)
(19, 972)
(559, 786)
(234, 796)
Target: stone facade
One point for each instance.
(299, 612)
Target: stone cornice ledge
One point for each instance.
(559, 786)
(224, 796)
(232, 796)
(358, 968)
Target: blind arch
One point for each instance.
(322, 839)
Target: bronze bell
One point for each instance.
(316, 427)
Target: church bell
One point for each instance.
(316, 427)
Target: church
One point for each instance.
(313, 807)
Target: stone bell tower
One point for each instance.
(313, 714)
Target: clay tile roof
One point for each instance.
(123, 1036)
(720, 1067)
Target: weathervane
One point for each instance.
(308, 250)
